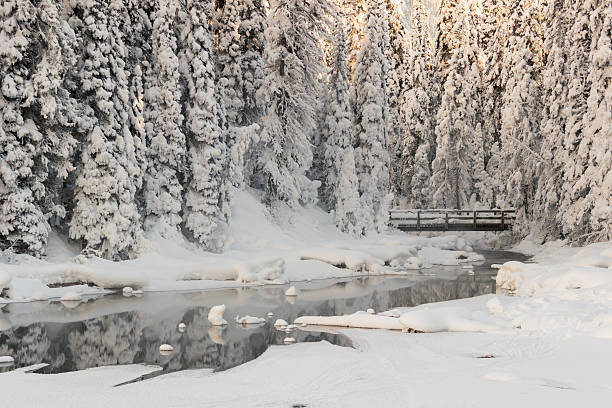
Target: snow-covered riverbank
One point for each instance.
(295, 246)
(549, 345)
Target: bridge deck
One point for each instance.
(452, 220)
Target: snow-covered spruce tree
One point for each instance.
(491, 43)
(240, 59)
(54, 109)
(337, 122)
(139, 60)
(353, 14)
(105, 215)
(587, 207)
(251, 31)
(457, 114)
(371, 155)
(396, 51)
(229, 66)
(205, 134)
(419, 138)
(293, 61)
(35, 143)
(347, 212)
(165, 137)
(492, 193)
(522, 109)
(554, 98)
(421, 176)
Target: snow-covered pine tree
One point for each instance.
(370, 107)
(588, 184)
(240, 59)
(522, 108)
(396, 50)
(421, 176)
(419, 138)
(251, 31)
(36, 114)
(138, 58)
(53, 108)
(491, 194)
(337, 123)
(353, 14)
(293, 61)
(457, 116)
(229, 66)
(204, 220)
(165, 137)
(492, 38)
(554, 102)
(347, 212)
(105, 215)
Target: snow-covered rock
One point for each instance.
(370, 311)
(6, 360)
(215, 315)
(280, 322)
(127, 291)
(166, 347)
(249, 320)
(292, 291)
(182, 327)
(289, 340)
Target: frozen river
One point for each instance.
(125, 330)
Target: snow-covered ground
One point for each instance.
(548, 345)
(292, 246)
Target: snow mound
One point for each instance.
(342, 258)
(292, 291)
(361, 320)
(215, 315)
(452, 319)
(589, 268)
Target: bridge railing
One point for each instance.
(457, 220)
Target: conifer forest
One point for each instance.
(119, 117)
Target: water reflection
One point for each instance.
(118, 330)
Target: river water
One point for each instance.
(129, 330)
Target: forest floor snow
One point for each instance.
(548, 345)
(261, 249)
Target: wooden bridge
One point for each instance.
(452, 220)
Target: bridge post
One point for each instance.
(446, 222)
(475, 219)
(502, 220)
(418, 220)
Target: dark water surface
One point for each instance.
(126, 330)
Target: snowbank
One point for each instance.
(261, 249)
(588, 267)
(561, 299)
